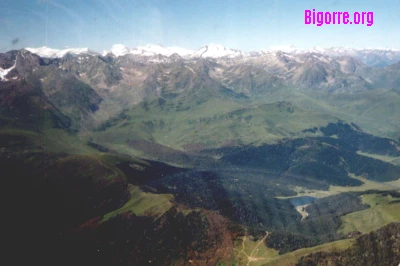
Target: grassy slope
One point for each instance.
(91, 162)
(389, 159)
(270, 257)
(214, 123)
(140, 203)
(333, 190)
(276, 115)
(292, 257)
(51, 140)
(143, 204)
(246, 248)
(394, 183)
(396, 161)
(375, 111)
(381, 212)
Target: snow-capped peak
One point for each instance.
(216, 51)
(333, 51)
(151, 50)
(369, 56)
(283, 48)
(56, 53)
(119, 50)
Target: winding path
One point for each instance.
(250, 257)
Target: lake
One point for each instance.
(302, 200)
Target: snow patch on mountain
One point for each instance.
(4, 72)
(369, 56)
(283, 48)
(149, 50)
(217, 51)
(119, 50)
(56, 53)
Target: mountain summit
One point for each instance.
(45, 51)
(217, 51)
(369, 56)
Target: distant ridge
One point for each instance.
(369, 56)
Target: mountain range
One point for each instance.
(370, 56)
(115, 84)
(167, 156)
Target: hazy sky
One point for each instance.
(241, 24)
